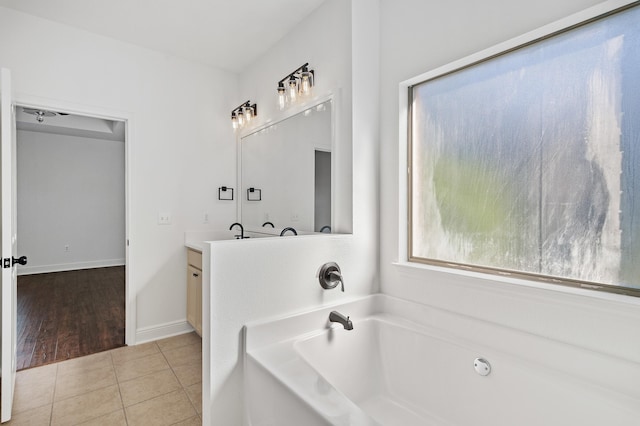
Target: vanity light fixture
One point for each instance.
(243, 114)
(296, 85)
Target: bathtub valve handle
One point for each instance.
(336, 276)
(330, 275)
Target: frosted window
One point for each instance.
(530, 161)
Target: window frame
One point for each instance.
(569, 23)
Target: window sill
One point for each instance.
(495, 282)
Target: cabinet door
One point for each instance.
(194, 281)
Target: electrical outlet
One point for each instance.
(295, 217)
(206, 218)
(66, 247)
(164, 218)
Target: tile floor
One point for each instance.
(156, 383)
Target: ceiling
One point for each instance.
(225, 34)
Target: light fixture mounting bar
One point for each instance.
(296, 71)
(242, 105)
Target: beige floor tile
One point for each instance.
(140, 367)
(163, 410)
(84, 364)
(129, 353)
(151, 378)
(112, 419)
(178, 341)
(32, 375)
(40, 416)
(184, 355)
(189, 374)
(193, 421)
(86, 407)
(194, 392)
(78, 382)
(147, 387)
(34, 387)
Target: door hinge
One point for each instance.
(6, 263)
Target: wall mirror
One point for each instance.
(286, 171)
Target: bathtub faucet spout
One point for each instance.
(336, 316)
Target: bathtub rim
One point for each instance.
(619, 382)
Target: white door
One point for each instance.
(8, 236)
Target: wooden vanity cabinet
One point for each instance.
(194, 290)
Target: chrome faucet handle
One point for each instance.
(330, 275)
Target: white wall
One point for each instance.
(417, 36)
(70, 193)
(257, 278)
(324, 41)
(180, 143)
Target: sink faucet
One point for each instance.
(336, 316)
(288, 229)
(241, 236)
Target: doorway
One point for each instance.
(71, 198)
(322, 191)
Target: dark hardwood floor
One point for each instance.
(63, 315)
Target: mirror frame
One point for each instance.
(286, 114)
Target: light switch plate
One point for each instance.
(164, 218)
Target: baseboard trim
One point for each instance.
(29, 270)
(169, 329)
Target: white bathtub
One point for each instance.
(407, 364)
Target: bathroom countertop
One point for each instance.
(195, 245)
(195, 239)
